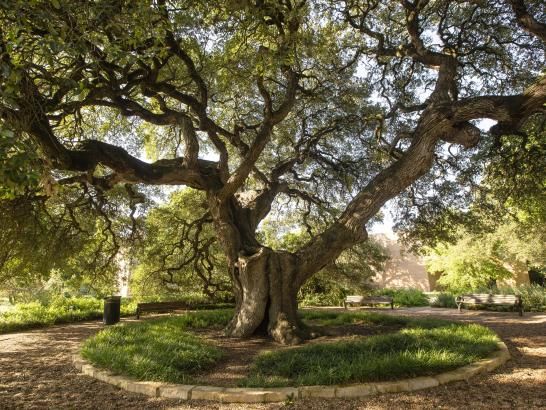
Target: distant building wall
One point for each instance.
(403, 270)
(407, 270)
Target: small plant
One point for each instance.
(443, 300)
(405, 297)
(532, 296)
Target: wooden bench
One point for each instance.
(369, 300)
(159, 307)
(489, 299)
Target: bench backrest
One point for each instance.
(486, 298)
(162, 305)
(368, 299)
(354, 299)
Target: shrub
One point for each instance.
(532, 296)
(443, 300)
(405, 297)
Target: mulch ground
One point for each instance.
(36, 373)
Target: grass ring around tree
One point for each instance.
(168, 349)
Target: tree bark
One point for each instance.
(264, 280)
(266, 296)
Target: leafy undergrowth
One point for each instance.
(60, 310)
(423, 347)
(159, 349)
(329, 318)
(67, 310)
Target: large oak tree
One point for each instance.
(338, 105)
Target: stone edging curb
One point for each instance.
(264, 395)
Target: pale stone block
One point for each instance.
(358, 390)
(242, 395)
(491, 364)
(118, 381)
(147, 388)
(102, 375)
(78, 362)
(176, 391)
(317, 391)
(392, 387)
(419, 383)
(206, 393)
(471, 370)
(88, 370)
(452, 376)
(280, 394)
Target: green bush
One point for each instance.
(443, 300)
(405, 297)
(532, 296)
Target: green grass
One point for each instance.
(58, 310)
(158, 350)
(423, 347)
(66, 310)
(165, 350)
(325, 318)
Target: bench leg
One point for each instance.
(392, 305)
(459, 307)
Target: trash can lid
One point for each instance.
(112, 298)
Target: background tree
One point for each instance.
(179, 251)
(339, 105)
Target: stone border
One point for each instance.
(264, 395)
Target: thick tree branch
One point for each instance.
(526, 20)
(263, 135)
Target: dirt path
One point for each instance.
(36, 373)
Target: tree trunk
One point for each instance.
(266, 296)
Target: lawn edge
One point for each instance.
(282, 394)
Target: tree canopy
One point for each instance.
(328, 107)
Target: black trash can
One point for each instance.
(111, 310)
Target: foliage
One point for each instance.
(510, 191)
(179, 253)
(443, 300)
(69, 241)
(532, 296)
(58, 310)
(332, 107)
(480, 260)
(415, 351)
(159, 350)
(350, 272)
(19, 165)
(405, 297)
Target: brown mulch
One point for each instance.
(36, 373)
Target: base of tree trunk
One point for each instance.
(266, 297)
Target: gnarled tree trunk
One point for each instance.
(265, 282)
(266, 296)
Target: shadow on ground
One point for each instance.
(36, 373)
